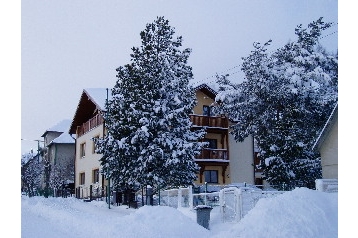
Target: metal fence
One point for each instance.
(234, 202)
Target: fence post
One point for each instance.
(190, 197)
(240, 201)
(222, 204)
(179, 197)
(206, 190)
(168, 199)
(91, 192)
(158, 195)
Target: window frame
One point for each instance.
(95, 176)
(211, 142)
(82, 179)
(206, 110)
(83, 150)
(94, 144)
(211, 178)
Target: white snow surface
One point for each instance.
(61, 126)
(298, 213)
(99, 96)
(64, 138)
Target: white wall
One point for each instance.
(241, 160)
(91, 161)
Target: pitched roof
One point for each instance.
(91, 101)
(327, 127)
(94, 99)
(64, 138)
(61, 126)
(206, 89)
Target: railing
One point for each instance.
(209, 121)
(213, 154)
(89, 125)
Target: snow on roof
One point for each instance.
(62, 126)
(99, 96)
(326, 128)
(210, 85)
(64, 138)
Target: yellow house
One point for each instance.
(224, 161)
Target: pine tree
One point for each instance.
(149, 140)
(31, 171)
(284, 102)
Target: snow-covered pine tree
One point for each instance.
(61, 172)
(31, 171)
(284, 102)
(148, 139)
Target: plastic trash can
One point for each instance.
(203, 215)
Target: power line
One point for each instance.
(33, 140)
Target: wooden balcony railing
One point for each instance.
(209, 121)
(220, 154)
(89, 125)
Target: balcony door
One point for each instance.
(213, 144)
(206, 110)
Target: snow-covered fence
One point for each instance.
(207, 199)
(184, 197)
(327, 185)
(175, 197)
(92, 192)
(229, 204)
(235, 203)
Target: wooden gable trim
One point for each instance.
(85, 110)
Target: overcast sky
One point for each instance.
(69, 45)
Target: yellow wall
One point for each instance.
(220, 178)
(202, 99)
(329, 154)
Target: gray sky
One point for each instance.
(69, 45)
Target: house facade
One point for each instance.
(60, 151)
(327, 145)
(222, 162)
(87, 124)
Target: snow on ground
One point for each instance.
(298, 213)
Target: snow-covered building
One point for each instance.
(327, 145)
(87, 124)
(223, 162)
(60, 148)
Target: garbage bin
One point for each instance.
(203, 215)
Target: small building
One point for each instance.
(60, 150)
(327, 145)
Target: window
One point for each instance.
(211, 176)
(212, 143)
(94, 144)
(83, 150)
(82, 178)
(206, 110)
(95, 176)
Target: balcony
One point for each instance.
(89, 125)
(213, 154)
(209, 121)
